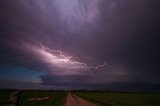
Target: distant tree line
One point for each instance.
(79, 90)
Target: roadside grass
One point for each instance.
(5, 95)
(122, 99)
(57, 100)
(60, 98)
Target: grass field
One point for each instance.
(57, 98)
(102, 99)
(5, 94)
(122, 99)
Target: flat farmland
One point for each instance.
(36, 98)
(122, 99)
(66, 98)
(42, 98)
(5, 95)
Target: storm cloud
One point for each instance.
(123, 33)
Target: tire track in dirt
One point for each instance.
(77, 101)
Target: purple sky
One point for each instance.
(52, 44)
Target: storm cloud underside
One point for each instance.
(124, 33)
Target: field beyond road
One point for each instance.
(122, 99)
(63, 98)
(36, 98)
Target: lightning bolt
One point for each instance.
(68, 59)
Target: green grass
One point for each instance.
(122, 99)
(58, 100)
(5, 95)
(105, 99)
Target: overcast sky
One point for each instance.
(50, 44)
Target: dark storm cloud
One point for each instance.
(122, 32)
(23, 85)
(81, 82)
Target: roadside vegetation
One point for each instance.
(42, 98)
(37, 97)
(5, 94)
(122, 99)
(102, 98)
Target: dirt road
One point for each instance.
(77, 101)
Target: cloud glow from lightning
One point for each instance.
(57, 58)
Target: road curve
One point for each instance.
(77, 101)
